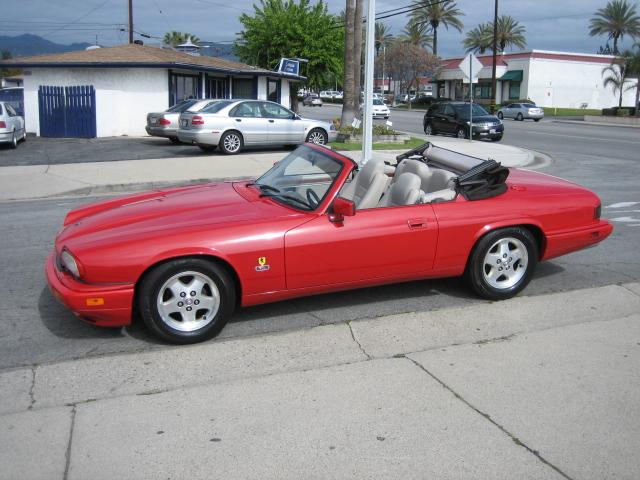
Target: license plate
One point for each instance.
(492, 130)
(154, 121)
(184, 123)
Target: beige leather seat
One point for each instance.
(440, 196)
(404, 191)
(440, 180)
(414, 166)
(368, 186)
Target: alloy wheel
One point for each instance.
(232, 143)
(505, 263)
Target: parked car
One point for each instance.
(11, 126)
(165, 124)
(453, 118)
(521, 111)
(233, 124)
(380, 109)
(312, 100)
(331, 94)
(186, 258)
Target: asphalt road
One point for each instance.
(35, 329)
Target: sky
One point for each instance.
(560, 25)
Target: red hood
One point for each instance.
(180, 209)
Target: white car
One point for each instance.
(11, 125)
(380, 109)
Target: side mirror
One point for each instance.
(341, 208)
(296, 117)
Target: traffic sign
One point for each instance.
(470, 66)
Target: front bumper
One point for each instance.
(494, 131)
(162, 131)
(103, 305)
(381, 114)
(199, 137)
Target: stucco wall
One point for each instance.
(123, 96)
(560, 83)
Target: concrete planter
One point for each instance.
(635, 121)
(401, 138)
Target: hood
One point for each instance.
(179, 209)
(482, 119)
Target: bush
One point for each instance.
(619, 111)
(622, 112)
(377, 130)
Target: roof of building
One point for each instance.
(503, 58)
(140, 56)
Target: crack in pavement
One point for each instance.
(513, 438)
(32, 398)
(353, 336)
(68, 452)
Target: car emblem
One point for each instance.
(262, 265)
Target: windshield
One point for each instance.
(377, 101)
(463, 110)
(182, 106)
(302, 179)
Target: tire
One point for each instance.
(14, 140)
(500, 115)
(317, 136)
(496, 139)
(519, 117)
(536, 119)
(489, 275)
(169, 306)
(174, 140)
(24, 135)
(207, 148)
(461, 133)
(429, 130)
(231, 142)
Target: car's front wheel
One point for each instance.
(502, 263)
(461, 133)
(317, 136)
(186, 300)
(428, 129)
(231, 142)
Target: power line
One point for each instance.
(401, 11)
(77, 19)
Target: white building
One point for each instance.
(120, 85)
(551, 79)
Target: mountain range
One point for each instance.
(27, 45)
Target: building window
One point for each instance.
(514, 90)
(216, 87)
(273, 90)
(482, 91)
(183, 87)
(243, 88)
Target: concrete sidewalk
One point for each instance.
(529, 388)
(43, 181)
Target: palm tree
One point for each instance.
(383, 36)
(617, 78)
(349, 98)
(617, 19)
(510, 33)
(174, 38)
(479, 39)
(357, 52)
(632, 61)
(417, 34)
(445, 13)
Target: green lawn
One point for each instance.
(413, 143)
(566, 112)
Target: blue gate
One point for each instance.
(67, 111)
(14, 96)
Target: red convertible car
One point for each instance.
(184, 259)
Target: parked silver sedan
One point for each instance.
(165, 124)
(11, 125)
(521, 111)
(233, 124)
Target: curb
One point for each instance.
(595, 124)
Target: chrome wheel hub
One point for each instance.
(316, 137)
(188, 301)
(231, 143)
(505, 263)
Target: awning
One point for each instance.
(513, 75)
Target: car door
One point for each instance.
(284, 127)
(377, 243)
(512, 110)
(448, 119)
(438, 119)
(248, 118)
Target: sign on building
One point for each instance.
(289, 66)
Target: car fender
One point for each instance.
(512, 222)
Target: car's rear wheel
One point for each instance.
(429, 130)
(174, 140)
(186, 300)
(461, 133)
(502, 263)
(231, 142)
(519, 117)
(317, 136)
(14, 140)
(500, 115)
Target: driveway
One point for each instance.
(55, 151)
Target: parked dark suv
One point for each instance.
(453, 118)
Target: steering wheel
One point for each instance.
(312, 198)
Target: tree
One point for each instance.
(616, 77)
(174, 38)
(408, 63)
(348, 96)
(383, 36)
(617, 19)
(631, 59)
(8, 72)
(289, 29)
(479, 39)
(416, 34)
(357, 53)
(445, 13)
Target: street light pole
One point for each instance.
(130, 21)
(367, 111)
(495, 47)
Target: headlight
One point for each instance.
(332, 127)
(69, 263)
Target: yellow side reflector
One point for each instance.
(94, 302)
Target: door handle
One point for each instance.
(271, 121)
(238, 120)
(417, 223)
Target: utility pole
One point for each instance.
(493, 67)
(131, 21)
